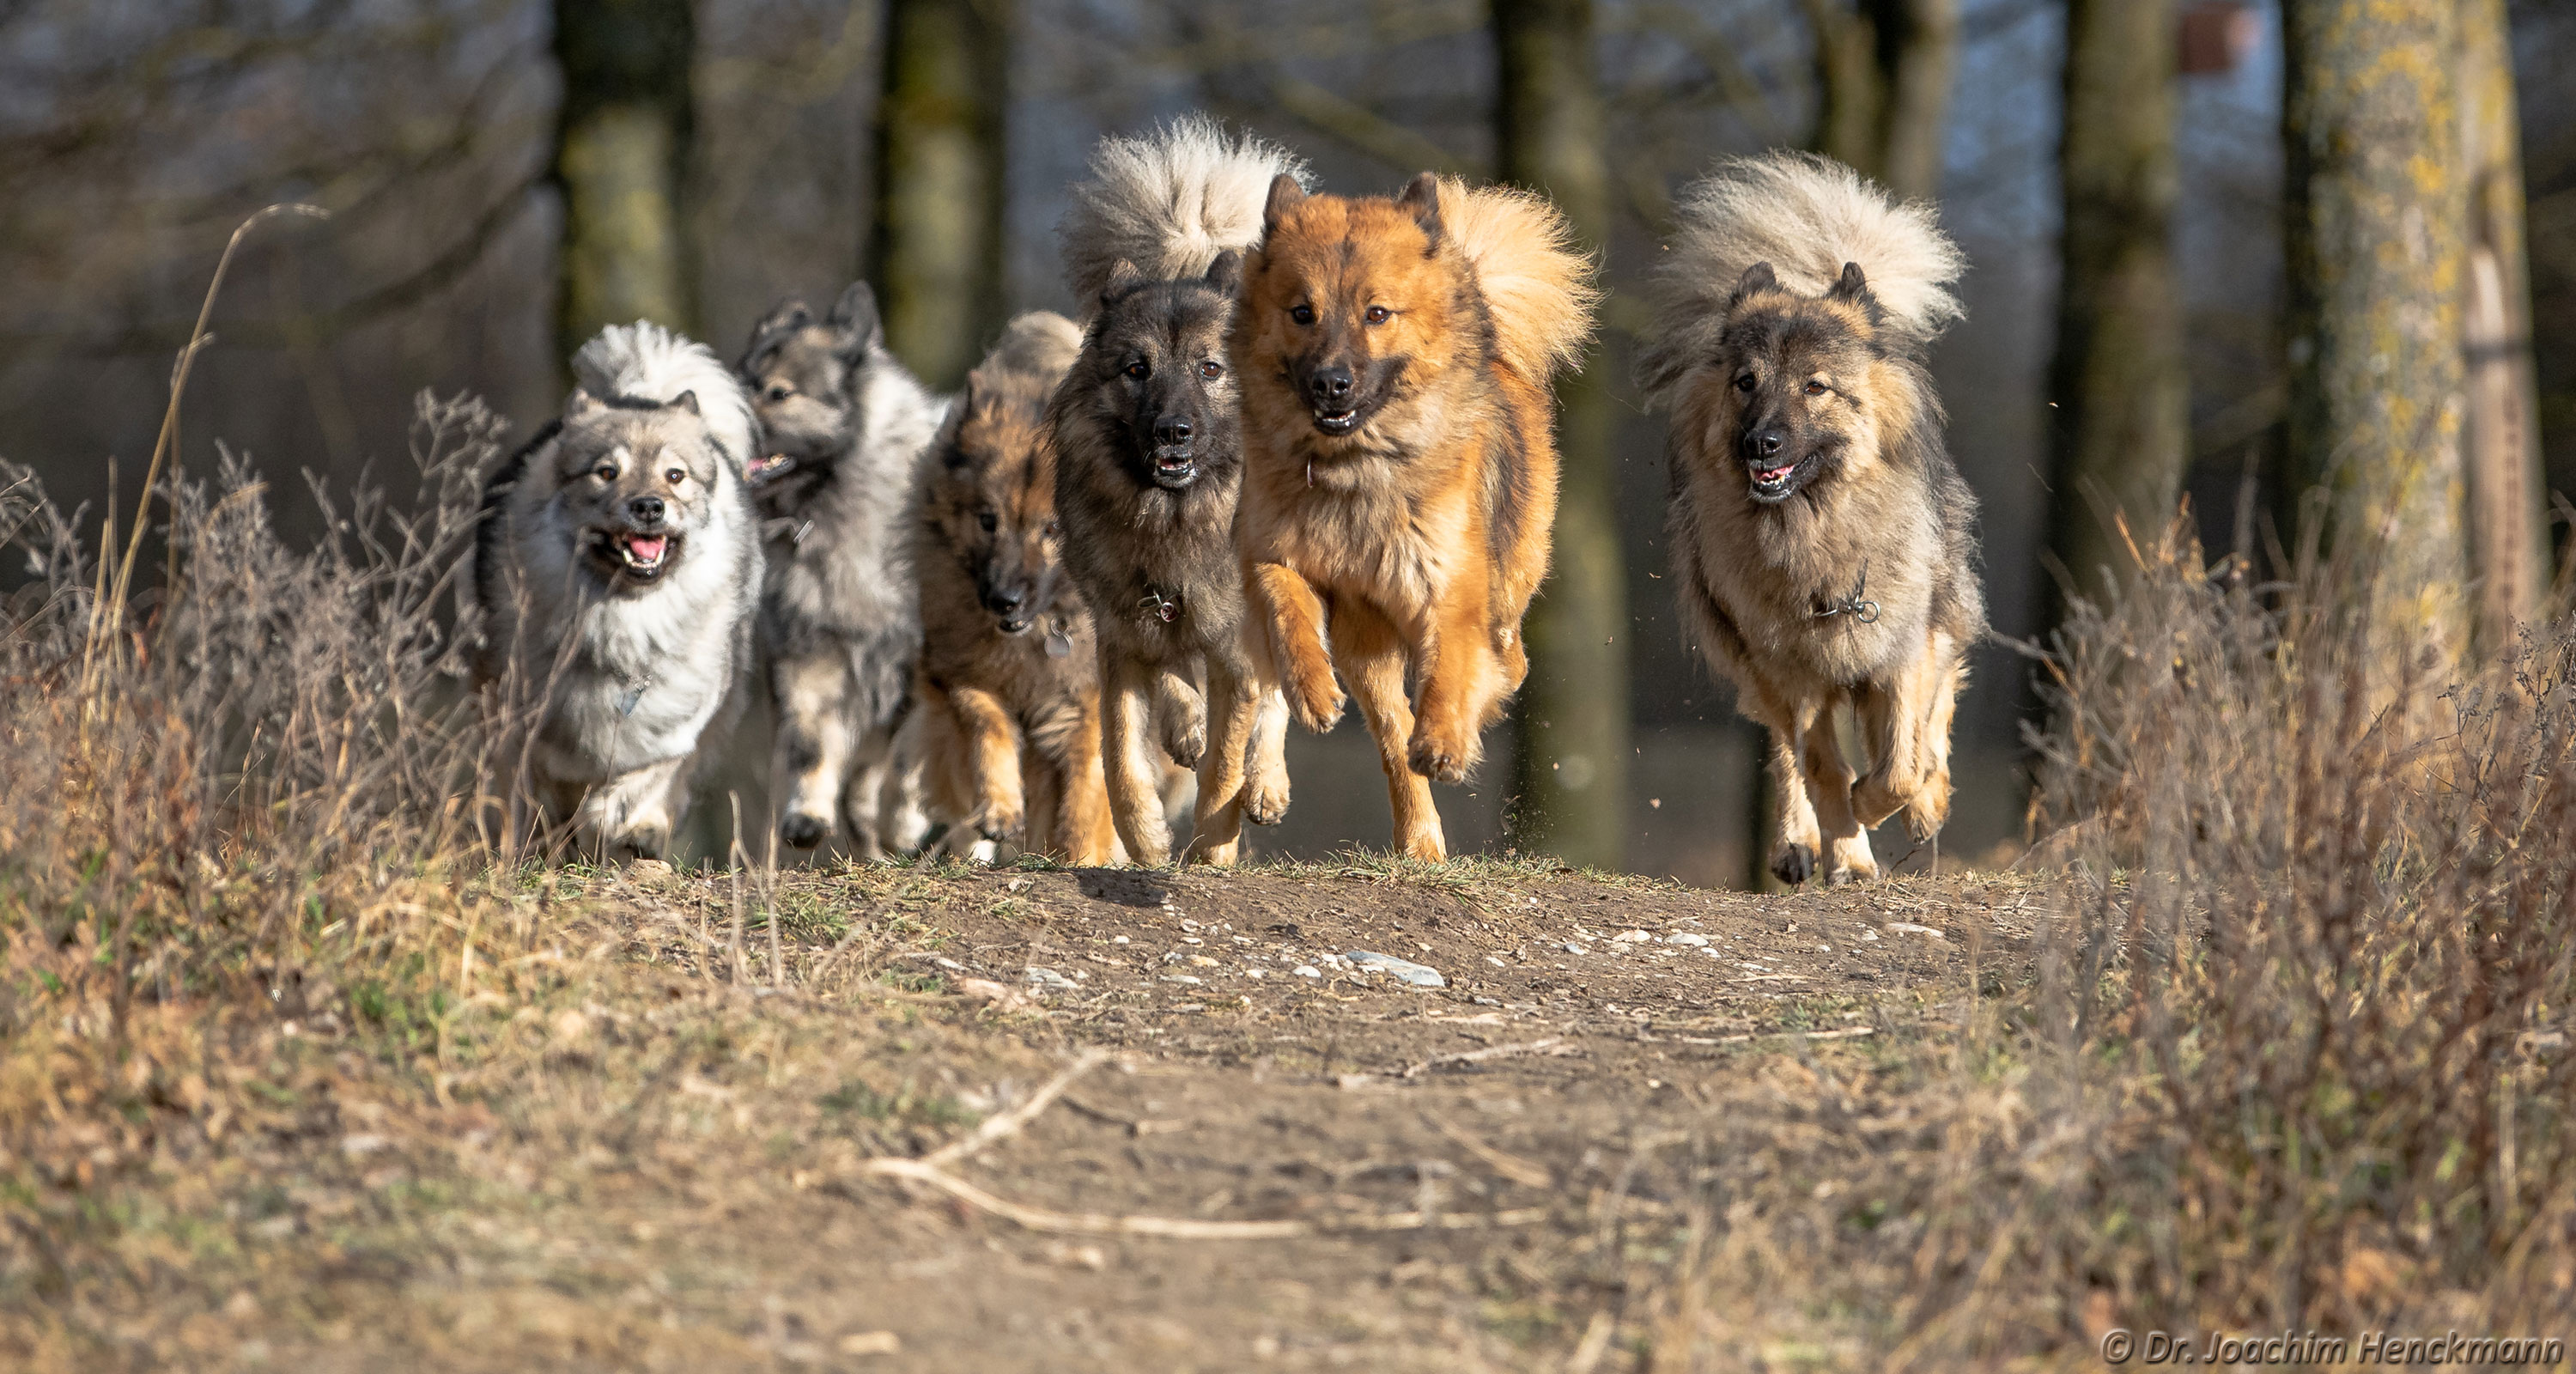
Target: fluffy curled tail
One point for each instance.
(645, 362)
(1806, 216)
(1169, 203)
(1537, 286)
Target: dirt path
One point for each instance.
(655, 1147)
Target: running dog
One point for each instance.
(1824, 545)
(1399, 459)
(1148, 462)
(616, 568)
(844, 429)
(1009, 679)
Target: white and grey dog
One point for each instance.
(844, 427)
(617, 565)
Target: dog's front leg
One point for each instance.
(812, 756)
(1084, 831)
(1286, 603)
(634, 814)
(1461, 676)
(1134, 803)
(1829, 790)
(1234, 708)
(992, 747)
(1796, 845)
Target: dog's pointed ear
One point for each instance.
(581, 405)
(855, 316)
(1421, 196)
(1225, 275)
(1123, 278)
(1758, 277)
(688, 401)
(1285, 195)
(1854, 287)
(783, 319)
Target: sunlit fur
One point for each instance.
(1149, 461)
(625, 662)
(844, 427)
(1400, 466)
(1809, 477)
(1009, 679)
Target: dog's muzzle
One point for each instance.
(641, 555)
(1333, 394)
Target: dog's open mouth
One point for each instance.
(1175, 466)
(1337, 422)
(1016, 624)
(642, 556)
(769, 468)
(1770, 484)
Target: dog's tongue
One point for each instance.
(1771, 474)
(647, 548)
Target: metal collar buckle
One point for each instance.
(1854, 605)
(1163, 608)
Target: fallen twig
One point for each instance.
(1511, 1166)
(1007, 1124)
(1184, 1228)
(1546, 1045)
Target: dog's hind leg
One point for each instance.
(1265, 763)
(1234, 708)
(1181, 716)
(1371, 657)
(1134, 803)
(813, 755)
(1905, 724)
(1829, 791)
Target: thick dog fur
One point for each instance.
(1008, 685)
(1400, 461)
(1823, 542)
(1148, 463)
(616, 567)
(844, 430)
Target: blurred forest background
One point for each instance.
(2213, 255)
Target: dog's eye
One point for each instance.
(779, 391)
(1744, 383)
(1817, 388)
(1379, 314)
(1211, 371)
(676, 476)
(1140, 369)
(1053, 529)
(606, 472)
(988, 520)
(1302, 314)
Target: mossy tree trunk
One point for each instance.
(2377, 209)
(621, 150)
(2120, 432)
(941, 125)
(2508, 525)
(1570, 792)
(1883, 71)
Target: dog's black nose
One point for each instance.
(1007, 598)
(1764, 443)
(645, 510)
(1331, 386)
(1171, 430)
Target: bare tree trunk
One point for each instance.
(2122, 420)
(941, 125)
(2377, 205)
(1571, 728)
(1883, 69)
(621, 148)
(2508, 526)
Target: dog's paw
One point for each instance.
(1929, 810)
(1265, 800)
(1316, 701)
(1441, 760)
(1185, 739)
(1793, 864)
(804, 831)
(1875, 800)
(1005, 818)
